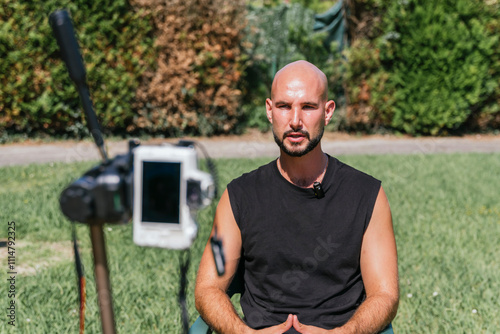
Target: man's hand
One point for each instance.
(305, 329)
(278, 329)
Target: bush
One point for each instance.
(366, 91)
(169, 68)
(487, 116)
(194, 87)
(441, 64)
(37, 96)
(434, 68)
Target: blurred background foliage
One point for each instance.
(193, 87)
(431, 68)
(36, 94)
(204, 67)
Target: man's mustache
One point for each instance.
(302, 132)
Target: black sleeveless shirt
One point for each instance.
(301, 254)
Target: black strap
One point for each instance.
(81, 279)
(184, 260)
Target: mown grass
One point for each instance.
(446, 212)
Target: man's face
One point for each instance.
(298, 112)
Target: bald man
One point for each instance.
(314, 235)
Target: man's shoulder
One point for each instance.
(346, 171)
(249, 188)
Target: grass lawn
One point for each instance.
(446, 211)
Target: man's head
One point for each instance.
(299, 108)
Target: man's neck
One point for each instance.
(303, 171)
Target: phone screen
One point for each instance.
(161, 185)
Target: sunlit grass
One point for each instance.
(446, 212)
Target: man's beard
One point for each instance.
(310, 146)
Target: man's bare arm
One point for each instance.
(211, 299)
(379, 268)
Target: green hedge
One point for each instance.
(434, 70)
(37, 96)
(441, 63)
(415, 67)
(166, 68)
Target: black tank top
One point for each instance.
(301, 254)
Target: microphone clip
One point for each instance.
(318, 190)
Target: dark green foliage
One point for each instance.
(440, 64)
(434, 68)
(37, 96)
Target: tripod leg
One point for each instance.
(102, 279)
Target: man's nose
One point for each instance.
(296, 120)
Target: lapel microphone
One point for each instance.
(318, 190)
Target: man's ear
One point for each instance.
(329, 109)
(269, 110)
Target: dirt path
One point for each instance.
(252, 145)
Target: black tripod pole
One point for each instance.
(102, 279)
(64, 33)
